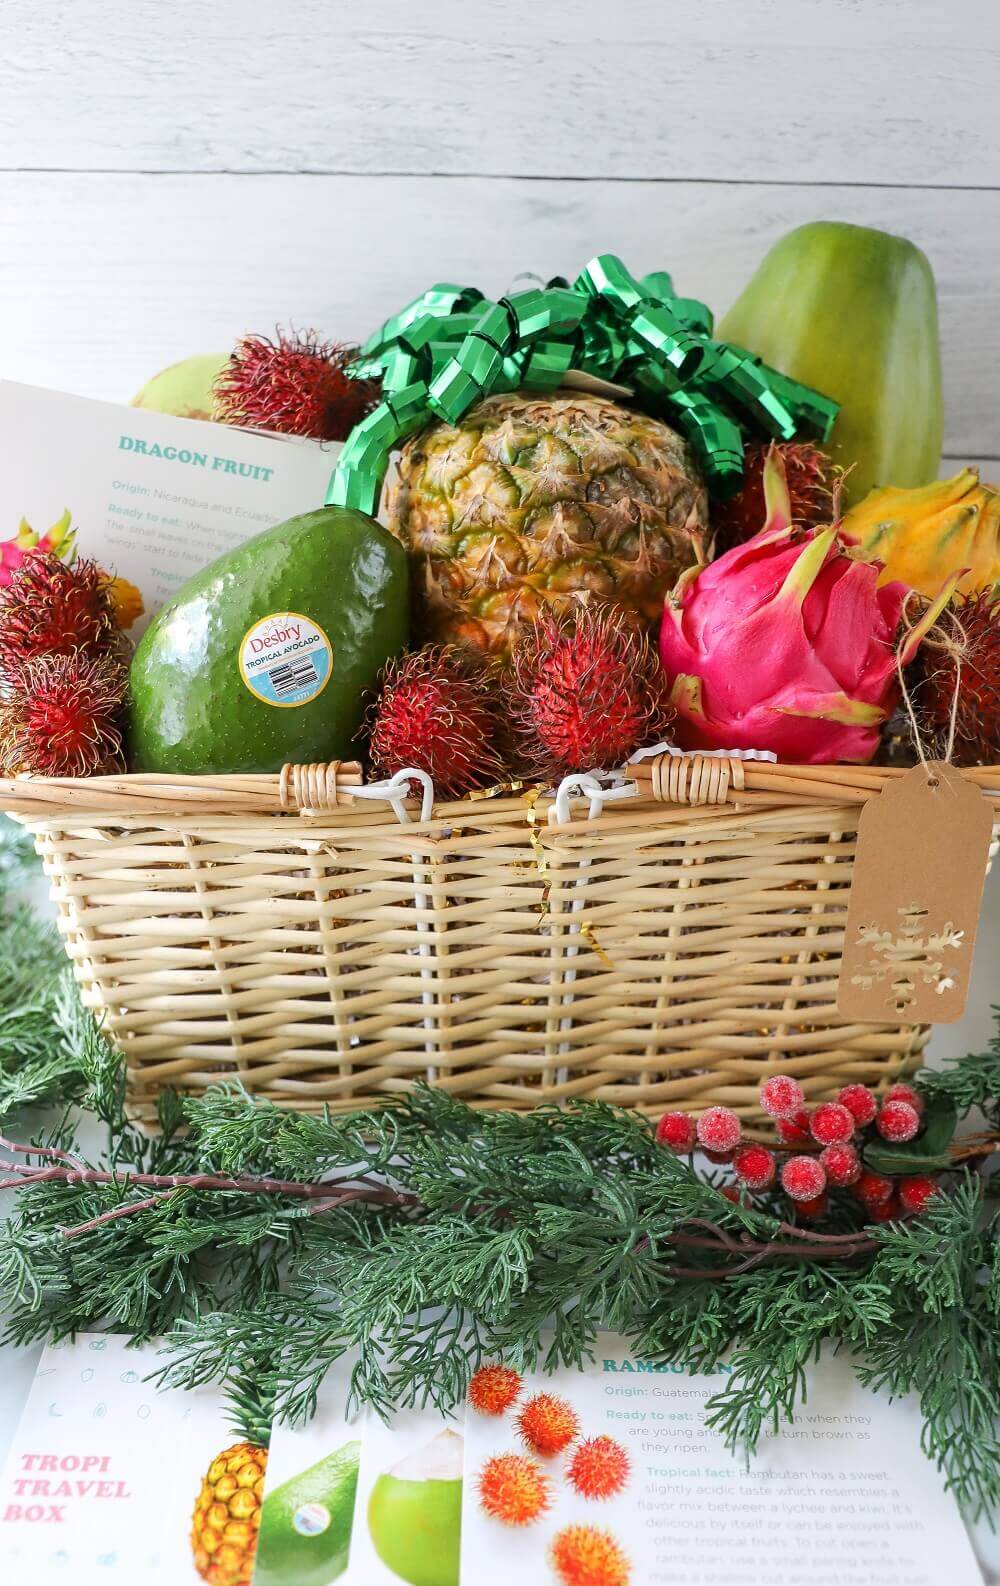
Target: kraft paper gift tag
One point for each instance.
(923, 846)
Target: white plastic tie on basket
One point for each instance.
(602, 787)
(395, 791)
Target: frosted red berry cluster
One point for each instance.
(829, 1134)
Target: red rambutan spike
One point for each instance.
(50, 608)
(295, 385)
(968, 684)
(66, 716)
(585, 693)
(438, 711)
(810, 476)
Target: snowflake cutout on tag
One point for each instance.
(913, 953)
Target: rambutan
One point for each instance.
(582, 1555)
(65, 716)
(781, 1096)
(719, 1129)
(585, 692)
(514, 1489)
(598, 1467)
(968, 683)
(438, 711)
(49, 608)
(676, 1130)
(295, 385)
(802, 1178)
(493, 1389)
(548, 1424)
(810, 474)
(754, 1166)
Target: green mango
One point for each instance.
(853, 313)
(185, 389)
(264, 656)
(305, 1524)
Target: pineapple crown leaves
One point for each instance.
(451, 346)
(512, 1236)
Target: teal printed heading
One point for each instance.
(181, 454)
(656, 1367)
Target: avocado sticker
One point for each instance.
(286, 659)
(305, 1524)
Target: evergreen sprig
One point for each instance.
(480, 1235)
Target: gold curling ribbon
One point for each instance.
(590, 937)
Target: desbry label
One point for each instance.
(286, 659)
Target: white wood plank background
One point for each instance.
(174, 174)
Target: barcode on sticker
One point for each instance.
(293, 675)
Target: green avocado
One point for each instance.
(305, 1525)
(263, 657)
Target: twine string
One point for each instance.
(954, 646)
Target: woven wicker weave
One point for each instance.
(329, 949)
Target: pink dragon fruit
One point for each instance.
(60, 541)
(786, 643)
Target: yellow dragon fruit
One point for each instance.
(923, 536)
(59, 541)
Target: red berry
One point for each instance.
(813, 1209)
(874, 1189)
(831, 1124)
(901, 1092)
(795, 1130)
(754, 1166)
(860, 1103)
(731, 1194)
(897, 1121)
(781, 1096)
(914, 1193)
(886, 1211)
(676, 1130)
(841, 1164)
(803, 1178)
(719, 1129)
(722, 1157)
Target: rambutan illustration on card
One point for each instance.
(609, 1476)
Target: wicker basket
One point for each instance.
(668, 942)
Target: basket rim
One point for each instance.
(320, 789)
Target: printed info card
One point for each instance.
(102, 1478)
(150, 497)
(644, 1495)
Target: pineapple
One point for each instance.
(532, 504)
(227, 1516)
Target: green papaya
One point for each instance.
(264, 656)
(305, 1524)
(853, 313)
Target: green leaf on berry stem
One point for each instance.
(926, 1153)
